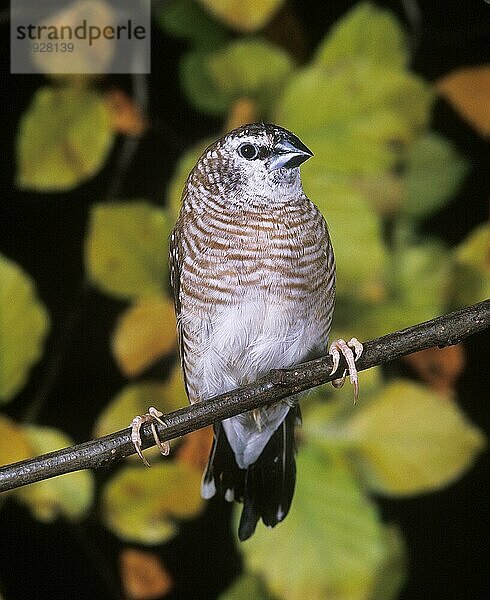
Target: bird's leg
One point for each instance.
(341, 347)
(151, 416)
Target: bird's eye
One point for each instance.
(248, 151)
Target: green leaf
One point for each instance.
(366, 33)
(316, 98)
(355, 231)
(251, 68)
(471, 277)
(418, 275)
(359, 121)
(417, 284)
(243, 15)
(198, 85)
(434, 172)
(64, 139)
(330, 544)
(69, 495)
(186, 19)
(24, 324)
(143, 505)
(126, 248)
(135, 399)
(392, 573)
(411, 440)
(328, 409)
(246, 587)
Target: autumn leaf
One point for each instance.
(143, 575)
(125, 115)
(195, 448)
(439, 368)
(144, 505)
(145, 332)
(468, 90)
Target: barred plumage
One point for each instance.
(253, 275)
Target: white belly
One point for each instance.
(245, 341)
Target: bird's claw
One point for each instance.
(151, 416)
(351, 351)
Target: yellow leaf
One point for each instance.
(330, 544)
(69, 495)
(14, 444)
(145, 331)
(135, 399)
(63, 139)
(143, 505)
(468, 90)
(143, 575)
(243, 15)
(126, 248)
(411, 440)
(24, 324)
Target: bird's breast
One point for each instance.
(272, 256)
(256, 293)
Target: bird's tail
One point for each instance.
(266, 488)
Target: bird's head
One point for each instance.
(255, 163)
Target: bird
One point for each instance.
(252, 271)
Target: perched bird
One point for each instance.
(253, 275)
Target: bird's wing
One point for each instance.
(176, 260)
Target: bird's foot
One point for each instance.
(351, 351)
(150, 417)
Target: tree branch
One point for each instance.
(278, 384)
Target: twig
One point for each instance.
(278, 384)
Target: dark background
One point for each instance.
(445, 532)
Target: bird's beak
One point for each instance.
(289, 153)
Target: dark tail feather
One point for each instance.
(266, 488)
